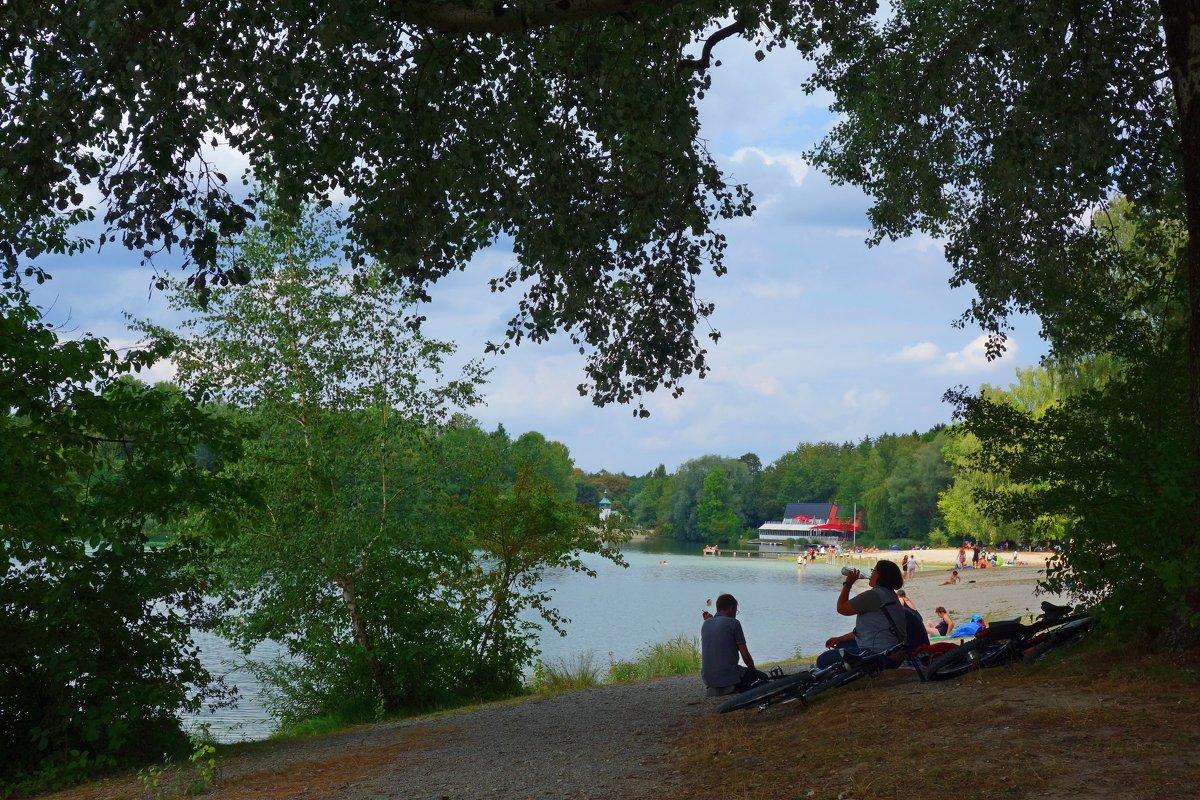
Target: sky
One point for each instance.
(822, 337)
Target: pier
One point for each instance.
(773, 554)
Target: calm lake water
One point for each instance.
(783, 609)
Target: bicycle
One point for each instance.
(803, 686)
(1007, 641)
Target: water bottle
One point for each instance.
(848, 571)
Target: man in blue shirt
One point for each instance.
(721, 642)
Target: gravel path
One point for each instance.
(611, 741)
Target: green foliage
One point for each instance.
(341, 391)
(549, 459)
(563, 675)
(893, 479)
(647, 504)
(687, 491)
(198, 777)
(716, 520)
(915, 483)
(96, 660)
(445, 142)
(678, 656)
(1058, 162)
(396, 546)
(1110, 462)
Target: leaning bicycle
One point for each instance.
(1009, 641)
(803, 686)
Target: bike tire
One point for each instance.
(766, 693)
(1055, 638)
(975, 654)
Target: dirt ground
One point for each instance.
(1091, 723)
(1080, 724)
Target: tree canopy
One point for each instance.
(569, 129)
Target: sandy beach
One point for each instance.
(996, 593)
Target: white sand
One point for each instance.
(996, 593)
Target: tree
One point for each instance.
(960, 504)
(96, 657)
(687, 488)
(1003, 127)
(1015, 132)
(715, 517)
(914, 486)
(645, 504)
(551, 460)
(344, 562)
(1108, 462)
(569, 128)
(522, 532)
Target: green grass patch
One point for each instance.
(561, 675)
(678, 656)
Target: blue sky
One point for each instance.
(822, 338)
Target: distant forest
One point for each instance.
(915, 486)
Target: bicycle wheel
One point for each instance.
(975, 654)
(771, 692)
(1054, 638)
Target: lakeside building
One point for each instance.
(815, 522)
(606, 509)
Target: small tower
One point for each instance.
(606, 509)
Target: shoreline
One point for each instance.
(996, 592)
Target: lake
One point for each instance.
(783, 609)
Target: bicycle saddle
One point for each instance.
(1051, 610)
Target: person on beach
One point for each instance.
(952, 580)
(880, 621)
(943, 625)
(912, 567)
(721, 642)
(904, 563)
(902, 596)
(962, 557)
(975, 557)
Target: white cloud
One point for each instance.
(918, 353)
(870, 400)
(973, 357)
(793, 162)
(852, 233)
(158, 372)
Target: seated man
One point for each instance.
(880, 622)
(721, 642)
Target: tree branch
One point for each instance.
(510, 16)
(702, 63)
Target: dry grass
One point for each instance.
(1094, 724)
(304, 774)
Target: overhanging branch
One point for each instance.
(702, 63)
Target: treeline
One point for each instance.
(895, 481)
(927, 487)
